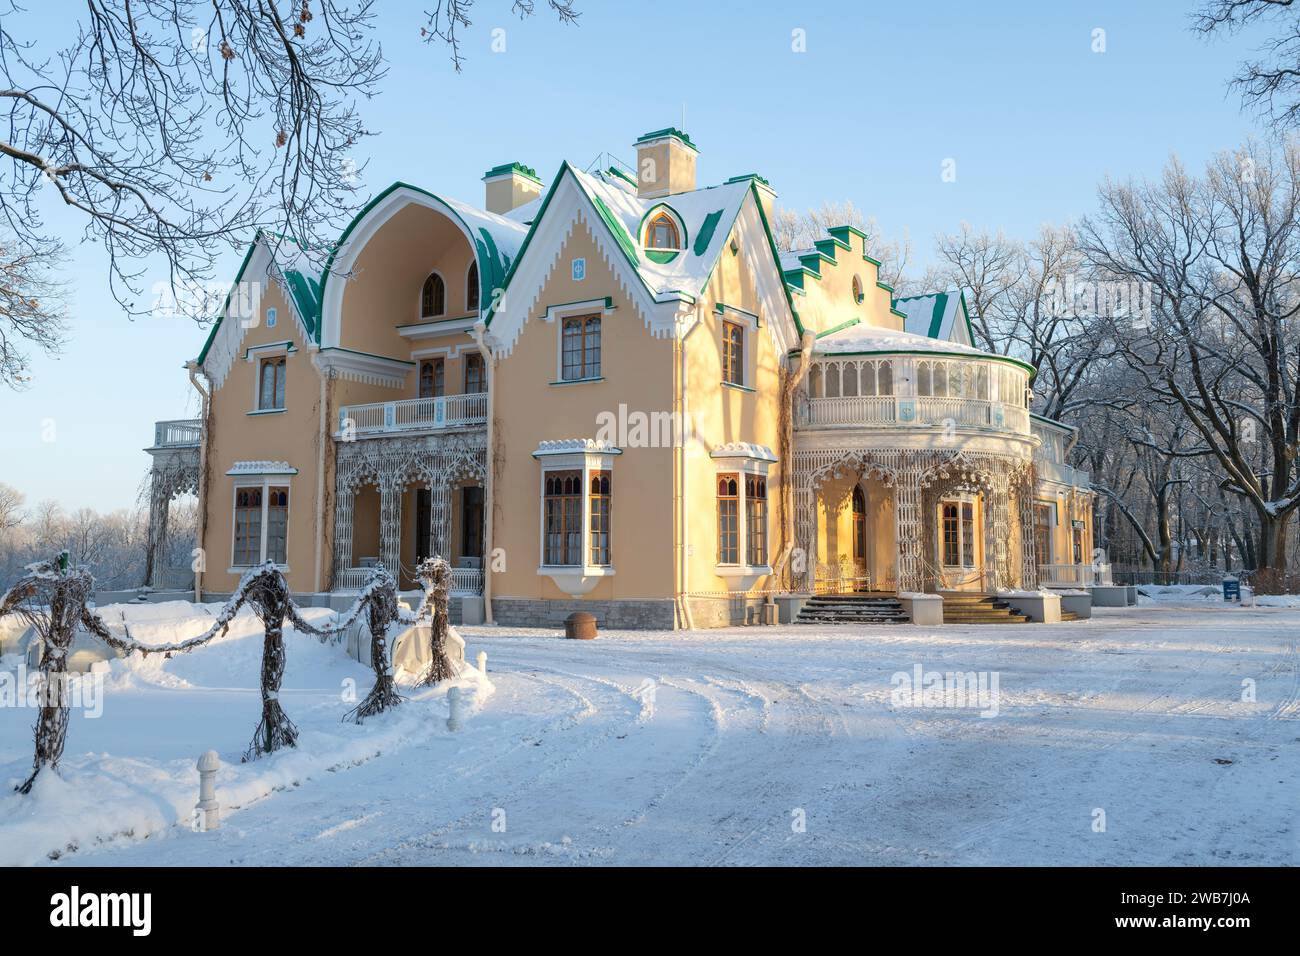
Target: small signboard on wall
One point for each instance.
(579, 270)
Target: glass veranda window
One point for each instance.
(958, 534)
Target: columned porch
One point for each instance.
(396, 502)
(920, 520)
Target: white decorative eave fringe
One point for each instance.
(263, 467)
(740, 449)
(576, 446)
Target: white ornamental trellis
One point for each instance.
(174, 473)
(911, 473)
(436, 462)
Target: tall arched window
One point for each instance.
(662, 233)
(471, 288)
(433, 298)
(859, 523)
(857, 290)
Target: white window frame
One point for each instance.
(254, 355)
(742, 460)
(585, 455)
(265, 481)
(960, 498)
(572, 310)
(749, 324)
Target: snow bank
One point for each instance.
(160, 714)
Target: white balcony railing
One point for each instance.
(414, 414)
(1064, 474)
(179, 433)
(896, 410)
(465, 582)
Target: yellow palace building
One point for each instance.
(612, 393)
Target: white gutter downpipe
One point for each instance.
(683, 417)
(205, 395)
(797, 375)
(479, 333)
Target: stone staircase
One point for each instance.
(974, 608)
(852, 609)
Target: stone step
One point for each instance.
(852, 609)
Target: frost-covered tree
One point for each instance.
(792, 230)
(1269, 85)
(1220, 254)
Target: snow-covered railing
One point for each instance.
(178, 433)
(414, 414)
(1068, 575)
(465, 582)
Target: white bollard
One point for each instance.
(207, 812)
(482, 662)
(453, 699)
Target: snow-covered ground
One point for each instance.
(742, 746)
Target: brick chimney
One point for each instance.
(509, 186)
(665, 163)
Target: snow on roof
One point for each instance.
(496, 239)
(933, 315)
(791, 258)
(706, 214)
(857, 338)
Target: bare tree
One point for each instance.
(31, 306)
(1221, 255)
(794, 230)
(11, 507)
(448, 17)
(175, 129)
(1271, 85)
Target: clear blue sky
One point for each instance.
(884, 93)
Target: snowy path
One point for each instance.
(1128, 713)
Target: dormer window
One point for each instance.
(663, 236)
(662, 233)
(433, 297)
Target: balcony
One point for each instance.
(890, 410)
(178, 433)
(413, 415)
(1063, 474)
